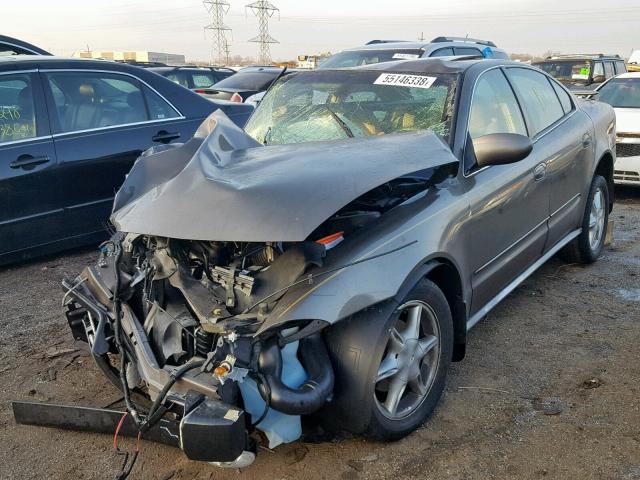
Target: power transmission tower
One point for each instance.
(264, 10)
(219, 45)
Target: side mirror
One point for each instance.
(598, 79)
(501, 148)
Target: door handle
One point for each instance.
(540, 172)
(26, 161)
(165, 137)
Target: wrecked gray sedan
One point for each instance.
(330, 258)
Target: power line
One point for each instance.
(264, 10)
(219, 45)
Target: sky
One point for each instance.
(305, 27)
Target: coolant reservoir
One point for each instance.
(278, 427)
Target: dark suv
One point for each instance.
(582, 71)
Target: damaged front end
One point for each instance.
(211, 299)
(186, 337)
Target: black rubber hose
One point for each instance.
(152, 417)
(312, 394)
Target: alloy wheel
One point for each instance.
(596, 219)
(410, 361)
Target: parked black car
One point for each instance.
(15, 46)
(69, 132)
(242, 85)
(194, 77)
(578, 72)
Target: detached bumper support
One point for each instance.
(90, 419)
(210, 431)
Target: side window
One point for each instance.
(467, 51)
(565, 99)
(443, 52)
(88, 100)
(537, 97)
(598, 70)
(608, 70)
(158, 108)
(494, 108)
(620, 67)
(17, 112)
(203, 80)
(178, 77)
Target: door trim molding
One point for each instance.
(520, 278)
(511, 246)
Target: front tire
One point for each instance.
(404, 355)
(588, 246)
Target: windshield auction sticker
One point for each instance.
(402, 80)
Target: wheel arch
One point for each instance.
(446, 276)
(604, 168)
(442, 271)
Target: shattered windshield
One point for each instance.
(357, 58)
(334, 105)
(576, 71)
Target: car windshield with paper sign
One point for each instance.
(357, 58)
(335, 105)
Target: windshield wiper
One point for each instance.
(341, 122)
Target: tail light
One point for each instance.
(236, 97)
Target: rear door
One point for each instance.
(562, 140)
(30, 203)
(102, 121)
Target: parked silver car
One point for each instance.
(330, 258)
(377, 51)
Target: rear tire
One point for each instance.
(588, 246)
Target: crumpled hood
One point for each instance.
(223, 185)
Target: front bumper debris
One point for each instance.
(210, 430)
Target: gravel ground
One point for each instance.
(549, 387)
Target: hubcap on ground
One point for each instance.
(410, 361)
(596, 219)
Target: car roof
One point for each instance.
(16, 42)
(433, 65)
(195, 68)
(628, 75)
(579, 56)
(46, 61)
(421, 45)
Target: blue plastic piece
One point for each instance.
(487, 52)
(278, 427)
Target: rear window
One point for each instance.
(248, 81)
(356, 58)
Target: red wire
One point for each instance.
(115, 435)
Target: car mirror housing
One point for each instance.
(598, 79)
(501, 148)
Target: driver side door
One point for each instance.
(509, 207)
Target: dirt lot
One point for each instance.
(549, 388)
